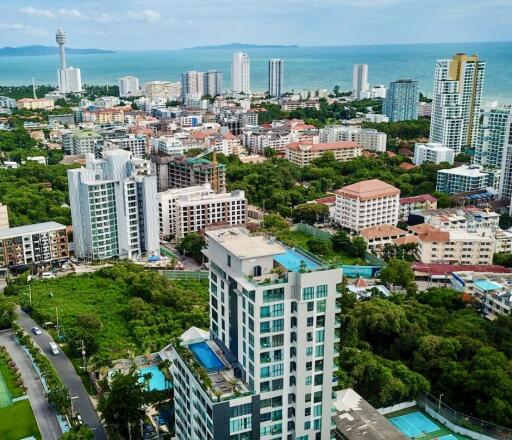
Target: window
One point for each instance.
(240, 410)
(308, 380)
(321, 291)
(272, 295)
(278, 309)
(317, 424)
(319, 350)
(278, 325)
(240, 424)
(317, 411)
(307, 425)
(320, 335)
(308, 293)
(310, 321)
(229, 260)
(311, 306)
(309, 351)
(265, 312)
(265, 327)
(320, 306)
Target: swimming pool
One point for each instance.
(157, 381)
(414, 424)
(206, 357)
(292, 259)
(486, 285)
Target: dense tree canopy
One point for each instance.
(393, 348)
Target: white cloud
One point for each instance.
(71, 13)
(29, 10)
(147, 15)
(103, 18)
(24, 29)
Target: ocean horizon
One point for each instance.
(304, 67)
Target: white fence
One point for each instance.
(397, 407)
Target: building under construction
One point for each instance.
(178, 171)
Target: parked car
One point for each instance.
(47, 275)
(36, 331)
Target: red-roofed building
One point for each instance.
(408, 204)
(407, 166)
(302, 153)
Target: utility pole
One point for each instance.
(83, 353)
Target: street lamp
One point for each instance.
(440, 398)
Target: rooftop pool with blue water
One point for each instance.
(206, 357)
(486, 285)
(292, 260)
(157, 381)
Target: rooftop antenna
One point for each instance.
(34, 88)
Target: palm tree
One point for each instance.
(165, 367)
(147, 378)
(233, 382)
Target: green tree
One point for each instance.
(503, 259)
(319, 247)
(60, 398)
(121, 407)
(358, 247)
(191, 245)
(310, 213)
(505, 221)
(7, 312)
(82, 433)
(275, 222)
(398, 273)
(341, 241)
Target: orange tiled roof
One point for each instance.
(380, 231)
(369, 189)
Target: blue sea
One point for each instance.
(305, 67)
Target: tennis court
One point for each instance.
(415, 424)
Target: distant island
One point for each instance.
(44, 50)
(241, 46)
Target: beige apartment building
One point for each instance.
(365, 204)
(436, 245)
(302, 153)
(35, 104)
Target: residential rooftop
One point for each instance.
(369, 189)
(36, 228)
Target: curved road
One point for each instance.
(43, 412)
(68, 375)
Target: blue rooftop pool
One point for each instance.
(486, 285)
(157, 381)
(292, 259)
(206, 357)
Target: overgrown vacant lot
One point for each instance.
(119, 310)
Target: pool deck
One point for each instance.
(442, 431)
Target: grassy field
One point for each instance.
(10, 377)
(137, 310)
(17, 421)
(298, 238)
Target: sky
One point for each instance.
(171, 24)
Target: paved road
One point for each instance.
(43, 412)
(67, 373)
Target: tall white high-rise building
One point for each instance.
(275, 77)
(456, 100)
(267, 362)
(360, 80)
(241, 73)
(128, 86)
(69, 78)
(114, 207)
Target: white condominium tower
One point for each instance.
(360, 80)
(241, 73)
(192, 84)
(69, 78)
(265, 370)
(275, 77)
(128, 86)
(114, 207)
(213, 83)
(456, 99)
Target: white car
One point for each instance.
(36, 331)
